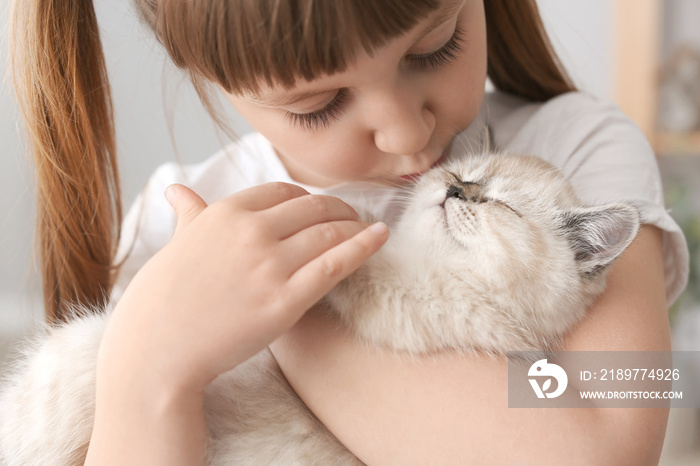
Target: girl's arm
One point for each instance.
(394, 410)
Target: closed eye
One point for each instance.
(321, 118)
(443, 56)
(501, 203)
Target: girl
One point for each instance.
(342, 93)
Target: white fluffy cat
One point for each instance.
(493, 253)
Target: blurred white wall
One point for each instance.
(580, 30)
(582, 35)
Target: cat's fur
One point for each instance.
(493, 253)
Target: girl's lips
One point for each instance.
(414, 176)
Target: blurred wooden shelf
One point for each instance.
(638, 37)
(636, 60)
(671, 143)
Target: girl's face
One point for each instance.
(387, 116)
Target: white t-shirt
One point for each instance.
(597, 147)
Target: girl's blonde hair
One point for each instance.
(61, 81)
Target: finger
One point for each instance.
(186, 203)
(267, 195)
(312, 281)
(311, 242)
(300, 213)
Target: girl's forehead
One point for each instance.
(279, 95)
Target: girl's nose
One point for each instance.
(401, 126)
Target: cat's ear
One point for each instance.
(598, 235)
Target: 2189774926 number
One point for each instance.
(639, 374)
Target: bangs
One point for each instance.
(242, 45)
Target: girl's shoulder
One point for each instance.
(562, 122)
(580, 134)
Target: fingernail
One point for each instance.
(170, 195)
(379, 228)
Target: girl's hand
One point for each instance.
(235, 276)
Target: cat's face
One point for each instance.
(514, 222)
(492, 252)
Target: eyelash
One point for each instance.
(333, 111)
(321, 118)
(443, 56)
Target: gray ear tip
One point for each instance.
(632, 214)
(600, 234)
(633, 210)
(629, 217)
(623, 207)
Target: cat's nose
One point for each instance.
(465, 191)
(454, 191)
